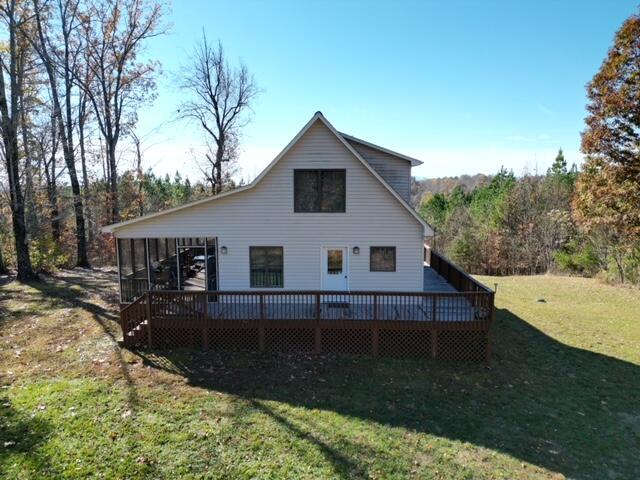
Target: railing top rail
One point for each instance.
(461, 271)
(317, 292)
(137, 301)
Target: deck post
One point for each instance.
(261, 324)
(375, 331)
(205, 323)
(317, 343)
(434, 330)
(148, 315)
(487, 353)
(433, 308)
(124, 328)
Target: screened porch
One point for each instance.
(156, 264)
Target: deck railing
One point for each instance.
(437, 325)
(458, 278)
(133, 288)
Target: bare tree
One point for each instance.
(139, 172)
(221, 97)
(46, 144)
(117, 82)
(12, 66)
(28, 99)
(59, 58)
(84, 115)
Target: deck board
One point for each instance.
(433, 282)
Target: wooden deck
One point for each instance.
(441, 322)
(434, 282)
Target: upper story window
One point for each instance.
(319, 191)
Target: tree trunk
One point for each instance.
(9, 115)
(140, 173)
(81, 240)
(3, 266)
(114, 212)
(218, 165)
(23, 261)
(52, 197)
(83, 162)
(54, 213)
(29, 200)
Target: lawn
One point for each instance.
(561, 397)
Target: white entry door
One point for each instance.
(335, 268)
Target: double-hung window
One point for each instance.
(266, 267)
(382, 259)
(319, 191)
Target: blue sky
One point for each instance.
(464, 86)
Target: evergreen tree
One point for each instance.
(559, 167)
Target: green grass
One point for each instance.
(561, 397)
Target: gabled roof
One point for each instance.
(414, 161)
(427, 229)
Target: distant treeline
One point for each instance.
(420, 186)
(505, 225)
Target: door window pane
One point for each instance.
(382, 259)
(334, 262)
(266, 267)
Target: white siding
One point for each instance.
(263, 215)
(395, 171)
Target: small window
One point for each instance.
(319, 191)
(382, 259)
(266, 265)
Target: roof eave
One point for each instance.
(414, 161)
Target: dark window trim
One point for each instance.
(251, 282)
(344, 191)
(371, 268)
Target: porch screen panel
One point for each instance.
(164, 271)
(212, 277)
(124, 258)
(134, 279)
(153, 250)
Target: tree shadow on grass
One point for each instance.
(59, 294)
(21, 436)
(562, 408)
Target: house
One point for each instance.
(329, 214)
